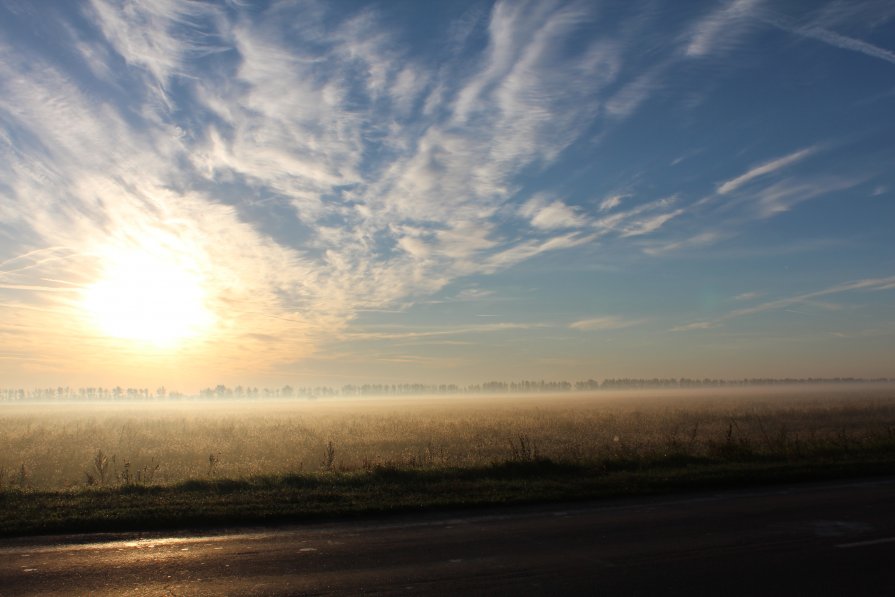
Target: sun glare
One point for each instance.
(150, 299)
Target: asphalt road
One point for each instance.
(830, 539)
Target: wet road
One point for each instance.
(830, 539)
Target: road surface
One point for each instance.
(825, 539)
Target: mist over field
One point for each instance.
(59, 445)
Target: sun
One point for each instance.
(148, 298)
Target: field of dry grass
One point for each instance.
(54, 446)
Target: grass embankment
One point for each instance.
(330, 495)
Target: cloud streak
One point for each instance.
(721, 28)
(764, 169)
(437, 333)
(846, 43)
(607, 322)
(866, 284)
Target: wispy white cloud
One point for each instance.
(607, 322)
(686, 156)
(696, 325)
(865, 14)
(630, 97)
(651, 224)
(639, 219)
(847, 43)
(721, 28)
(866, 284)
(844, 42)
(611, 202)
(398, 334)
(550, 215)
(151, 36)
(522, 251)
(783, 196)
(719, 31)
(765, 169)
(474, 294)
(820, 25)
(702, 239)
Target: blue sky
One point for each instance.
(340, 192)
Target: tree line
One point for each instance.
(221, 391)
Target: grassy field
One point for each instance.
(116, 466)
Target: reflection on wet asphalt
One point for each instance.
(819, 540)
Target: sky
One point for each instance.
(263, 193)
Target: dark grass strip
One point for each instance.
(331, 496)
